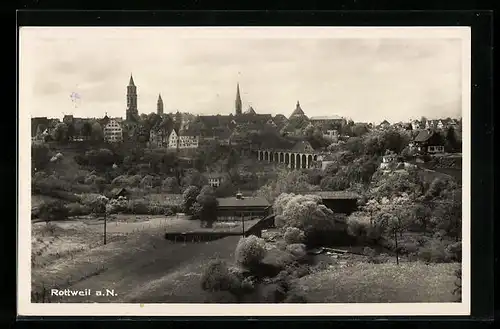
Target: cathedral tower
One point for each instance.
(238, 100)
(159, 105)
(132, 112)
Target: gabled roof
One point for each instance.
(385, 122)
(250, 111)
(298, 111)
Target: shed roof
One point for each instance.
(245, 202)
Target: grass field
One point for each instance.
(136, 259)
(410, 282)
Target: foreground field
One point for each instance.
(410, 282)
(140, 266)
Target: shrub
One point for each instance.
(138, 207)
(454, 251)
(294, 235)
(250, 251)
(298, 250)
(295, 296)
(52, 211)
(77, 209)
(434, 252)
(218, 277)
(116, 206)
(370, 252)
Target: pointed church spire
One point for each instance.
(131, 82)
(238, 105)
(159, 105)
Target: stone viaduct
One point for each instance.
(292, 159)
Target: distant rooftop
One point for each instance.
(245, 202)
(331, 117)
(344, 195)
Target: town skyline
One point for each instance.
(367, 80)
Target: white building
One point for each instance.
(173, 140)
(113, 131)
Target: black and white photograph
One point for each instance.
(244, 171)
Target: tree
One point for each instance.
(39, 157)
(52, 211)
(71, 132)
(205, 207)
(86, 130)
(194, 177)
(97, 133)
(359, 129)
(170, 185)
(452, 144)
(61, 132)
(189, 198)
(304, 212)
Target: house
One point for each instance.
(242, 207)
(429, 141)
(163, 137)
(189, 138)
(215, 179)
(119, 192)
(434, 124)
(113, 131)
(384, 124)
(389, 159)
(338, 201)
(417, 125)
(331, 134)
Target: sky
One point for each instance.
(367, 77)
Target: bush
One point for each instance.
(298, 250)
(294, 235)
(52, 211)
(250, 251)
(295, 297)
(454, 251)
(434, 252)
(218, 277)
(77, 209)
(138, 207)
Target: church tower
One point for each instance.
(159, 105)
(132, 112)
(238, 100)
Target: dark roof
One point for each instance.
(298, 111)
(245, 202)
(223, 133)
(117, 191)
(385, 122)
(423, 135)
(250, 111)
(191, 131)
(333, 195)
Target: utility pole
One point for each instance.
(243, 223)
(105, 225)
